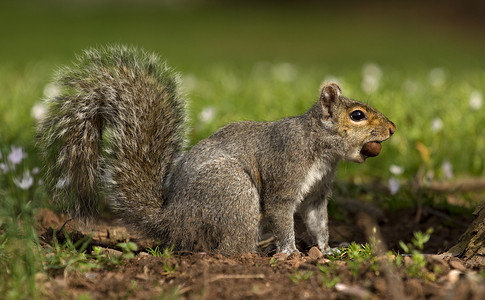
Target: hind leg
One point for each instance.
(224, 214)
(240, 215)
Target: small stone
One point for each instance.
(353, 291)
(295, 259)
(110, 252)
(441, 262)
(142, 276)
(323, 261)
(414, 289)
(453, 276)
(380, 285)
(315, 253)
(458, 265)
(408, 261)
(281, 256)
(40, 277)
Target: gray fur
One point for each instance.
(118, 127)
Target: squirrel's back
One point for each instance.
(113, 132)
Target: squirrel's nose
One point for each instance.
(392, 129)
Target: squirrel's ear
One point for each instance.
(328, 98)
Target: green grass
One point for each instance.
(241, 63)
(298, 275)
(263, 92)
(19, 248)
(166, 254)
(359, 258)
(259, 94)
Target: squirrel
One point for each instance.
(116, 134)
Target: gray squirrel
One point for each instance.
(116, 134)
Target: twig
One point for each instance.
(266, 241)
(236, 276)
(458, 185)
(355, 291)
(466, 184)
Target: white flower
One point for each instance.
(207, 114)
(394, 185)
(35, 170)
(25, 182)
(476, 100)
(285, 72)
(396, 170)
(16, 155)
(371, 69)
(437, 77)
(38, 111)
(447, 169)
(371, 75)
(4, 167)
(436, 125)
(52, 90)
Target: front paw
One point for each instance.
(326, 249)
(330, 251)
(289, 250)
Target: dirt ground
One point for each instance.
(270, 276)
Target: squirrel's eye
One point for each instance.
(357, 115)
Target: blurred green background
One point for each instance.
(419, 62)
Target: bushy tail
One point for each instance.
(114, 130)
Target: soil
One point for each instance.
(271, 275)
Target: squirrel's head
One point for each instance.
(360, 128)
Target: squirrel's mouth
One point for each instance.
(371, 149)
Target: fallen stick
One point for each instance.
(458, 185)
(236, 276)
(467, 184)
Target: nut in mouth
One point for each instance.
(371, 149)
